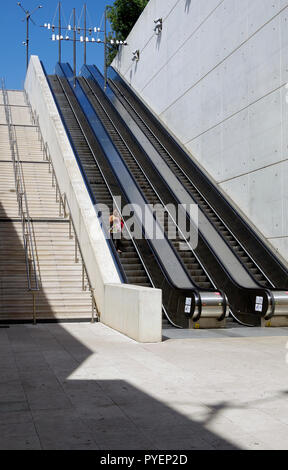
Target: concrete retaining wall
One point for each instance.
(131, 299)
(217, 78)
(99, 262)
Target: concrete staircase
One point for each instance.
(61, 296)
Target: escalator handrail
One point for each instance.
(202, 175)
(109, 242)
(156, 192)
(114, 202)
(150, 242)
(198, 190)
(168, 284)
(219, 261)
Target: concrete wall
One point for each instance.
(144, 326)
(217, 78)
(96, 254)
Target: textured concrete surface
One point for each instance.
(135, 311)
(217, 77)
(83, 386)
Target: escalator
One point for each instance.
(198, 275)
(132, 270)
(141, 262)
(257, 257)
(254, 279)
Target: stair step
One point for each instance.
(61, 292)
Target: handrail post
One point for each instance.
(92, 298)
(83, 276)
(34, 307)
(76, 243)
(70, 226)
(22, 203)
(45, 153)
(60, 204)
(67, 213)
(64, 206)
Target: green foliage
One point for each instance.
(122, 15)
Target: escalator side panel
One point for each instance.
(266, 259)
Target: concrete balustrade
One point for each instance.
(121, 304)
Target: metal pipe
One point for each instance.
(59, 5)
(83, 276)
(27, 40)
(105, 48)
(74, 47)
(85, 45)
(60, 203)
(93, 305)
(76, 243)
(70, 231)
(64, 206)
(28, 240)
(34, 307)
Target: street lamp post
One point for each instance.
(105, 48)
(28, 17)
(85, 39)
(59, 6)
(112, 41)
(85, 32)
(74, 47)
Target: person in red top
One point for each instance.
(116, 226)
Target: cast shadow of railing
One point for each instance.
(217, 409)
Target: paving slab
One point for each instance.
(83, 386)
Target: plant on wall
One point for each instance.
(122, 15)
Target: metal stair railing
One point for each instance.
(27, 232)
(64, 210)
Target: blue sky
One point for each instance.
(13, 33)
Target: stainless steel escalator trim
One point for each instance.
(280, 304)
(209, 306)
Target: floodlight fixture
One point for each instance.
(158, 26)
(28, 18)
(136, 55)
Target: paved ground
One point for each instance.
(82, 386)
